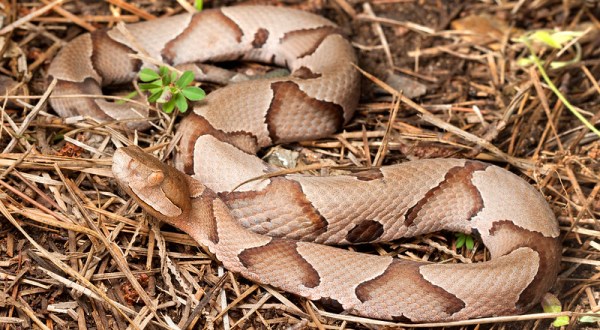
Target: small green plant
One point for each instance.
(589, 319)
(556, 40)
(198, 4)
(551, 304)
(553, 39)
(169, 90)
(464, 240)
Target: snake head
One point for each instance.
(160, 189)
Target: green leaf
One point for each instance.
(460, 240)
(154, 96)
(166, 79)
(525, 61)
(563, 37)
(561, 321)
(551, 304)
(544, 36)
(185, 79)
(198, 4)
(589, 319)
(169, 106)
(148, 75)
(173, 77)
(555, 39)
(164, 71)
(127, 97)
(150, 86)
(464, 240)
(193, 93)
(469, 243)
(181, 103)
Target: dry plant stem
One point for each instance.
(313, 316)
(386, 47)
(21, 305)
(64, 267)
(495, 129)
(346, 7)
(409, 25)
(88, 18)
(93, 96)
(526, 165)
(388, 131)
(546, 107)
(487, 320)
(292, 307)
(64, 222)
(185, 5)
(31, 116)
(11, 320)
(72, 18)
(554, 89)
(193, 318)
(114, 250)
(365, 143)
(132, 9)
(12, 166)
(29, 17)
(87, 292)
(222, 299)
(259, 304)
(237, 300)
(49, 53)
(286, 172)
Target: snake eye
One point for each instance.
(156, 178)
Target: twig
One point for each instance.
(379, 30)
(29, 17)
(31, 116)
(72, 18)
(523, 164)
(64, 267)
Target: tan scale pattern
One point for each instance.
(277, 258)
(214, 34)
(402, 292)
(110, 60)
(293, 115)
(505, 276)
(151, 37)
(280, 209)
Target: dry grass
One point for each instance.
(77, 253)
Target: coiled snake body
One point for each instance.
(217, 150)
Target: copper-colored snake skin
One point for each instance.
(217, 150)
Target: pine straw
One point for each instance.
(77, 253)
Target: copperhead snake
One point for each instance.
(301, 212)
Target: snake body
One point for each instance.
(300, 212)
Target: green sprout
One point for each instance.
(589, 319)
(464, 240)
(198, 4)
(169, 90)
(551, 304)
(556, 40)
(553, 39)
